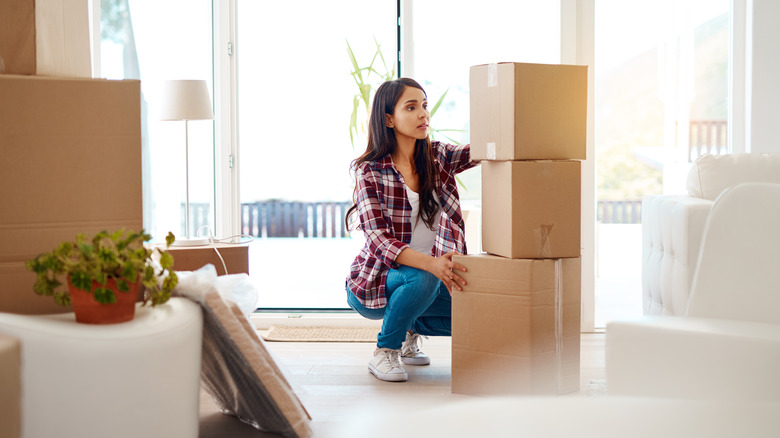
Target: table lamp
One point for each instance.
(186, 100)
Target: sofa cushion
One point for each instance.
(711, 174)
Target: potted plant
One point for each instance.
(103, 275)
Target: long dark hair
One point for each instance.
(381, 141)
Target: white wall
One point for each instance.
(763, 70)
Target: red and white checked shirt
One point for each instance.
(384, 213)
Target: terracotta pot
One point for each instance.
(89, 311)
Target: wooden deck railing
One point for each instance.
(294, 219)
(624, 211)
(707, 137)
(275, 218)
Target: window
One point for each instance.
(295, 101)
(295, 91)
(450, 37)
(155, 41)
(661, 100)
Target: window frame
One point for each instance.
(577, 47)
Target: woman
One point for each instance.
(406, 200)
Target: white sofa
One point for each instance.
(727, 346)
(672, 226)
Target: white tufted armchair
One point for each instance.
(672, 226)
(727, 347)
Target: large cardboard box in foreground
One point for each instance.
(70, 151)
(516, 326)
(531, 209)
(528, 111)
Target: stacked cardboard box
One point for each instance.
(45, 37)
(70, 146)
(516, 324)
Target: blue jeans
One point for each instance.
(416, 300)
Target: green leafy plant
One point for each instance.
(120, 255)
(436, 132)
(366, 80)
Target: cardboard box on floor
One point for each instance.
(531, 209)
(70, 151)
(516, 326)
(525, 111)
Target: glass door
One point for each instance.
(661, 100)
(449, 38)
(154, 42)
(301, 116)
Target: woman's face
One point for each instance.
(410, 116)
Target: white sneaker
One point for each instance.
(386, 366)
(410, 351)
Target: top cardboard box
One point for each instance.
(528, 111)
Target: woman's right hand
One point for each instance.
(447, 271)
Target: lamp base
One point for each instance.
(196, 241)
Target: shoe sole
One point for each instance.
(416, 360)
(388, 377)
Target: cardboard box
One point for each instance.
(528, 111)
(17, 37)
(531, 209)
(11, 384)
(70, 151)
(46, 37)
(192, 258)
(516, 326)
(62, 45)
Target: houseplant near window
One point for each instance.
(367, 79)
(103, 275)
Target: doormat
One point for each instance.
(284, 333)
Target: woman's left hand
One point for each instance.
(447, 271)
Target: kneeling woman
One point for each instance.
(407, 203)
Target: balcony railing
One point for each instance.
(624, 211)
(707, 137)
(275, 218)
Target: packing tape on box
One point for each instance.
(492, 75)
(491, 150)
(558, 324)
(543, 241)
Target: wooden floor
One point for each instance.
(333, 383)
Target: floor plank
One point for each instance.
(332, 381)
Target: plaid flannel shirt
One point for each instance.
(384, 213)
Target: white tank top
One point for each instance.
(422, 236)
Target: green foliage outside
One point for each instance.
(367, 80)
(114, 19)
(630, 115)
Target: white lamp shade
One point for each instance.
(185, 100)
